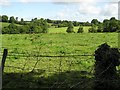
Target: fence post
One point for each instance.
(4, 58)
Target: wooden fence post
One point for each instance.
(4, 58)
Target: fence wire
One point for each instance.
(50, 71)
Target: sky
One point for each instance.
(74, 10)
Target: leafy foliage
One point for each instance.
(93, 29)
(36, 26)
(70, 28)
(4, 18)
(80, 30)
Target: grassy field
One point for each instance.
(63, 29)
(23, 64)
(4, 24)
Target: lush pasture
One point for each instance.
(63, 29)
(4, 24)
(24, 50)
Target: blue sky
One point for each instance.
(75, 10)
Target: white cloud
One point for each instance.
(72, 1)
(87, 11)
(83, 9)
(67, 1)
(4, 2)
(57, 1)
(29, 1)
(91, 9)
(85, 1)
(110, 10)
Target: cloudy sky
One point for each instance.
(75, 10)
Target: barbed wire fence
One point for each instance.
(35, 62)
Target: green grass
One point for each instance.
(48, 69)
(4, 24)
(63, 29)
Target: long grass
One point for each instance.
(24, 50)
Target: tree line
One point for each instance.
(41, 25)
(24, 27)
(111, 25)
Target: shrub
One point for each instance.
(70, 28)
(80, 30)
(93, 29)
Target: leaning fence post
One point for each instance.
(4, 58)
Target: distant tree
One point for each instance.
(57, 21)
(93, 29)
(35, 19)
(70, 28)
(5, 30)
(13, 28)
(49, 21)
(4, 18)
(112, 18)
(65, 23)
(106, 25)
(86, 23)
(32, 27)
(38, 26)
(80, 30)
(100, 28)
(24, 29)
(75, 23)
(95, 22)
(22, 22)
(61, 25)
(16, 19)
(113, 25)
(45, 27)
(118, 29)
(38, 29)
(12, 19)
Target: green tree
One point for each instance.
(118, 29)
(44, 27)
(4, 18)
(75, 23)
(100, 28)
(13, 29)
(95, 22)
(37, 29)
(80, 30)
(70, 28)
(16, 19)
(12, 19)
(49, 21)
(5, 30)
(24, 29)
(93, 29)
(113, 25)
(106, 25)
(22, 22)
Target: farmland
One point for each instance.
(65, 44)
(25, 65)
(63, 29)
